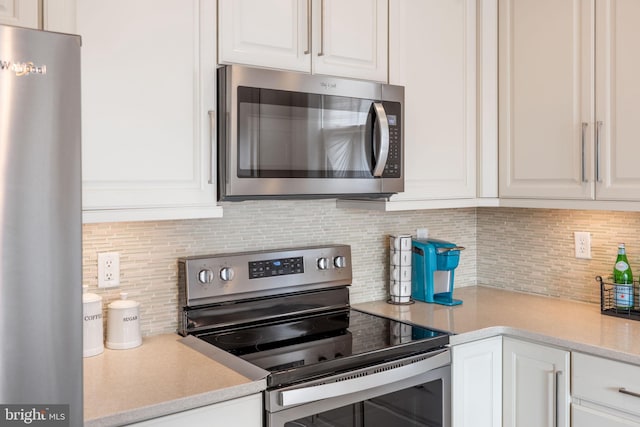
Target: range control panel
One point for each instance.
(276, 267)
(230, 277)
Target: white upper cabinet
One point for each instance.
(20, 13)
(350, 38)
(546, 93)
(568, 111)
(148, 85)
(268, 33)
(433, 55)
(340, 38)
(617, 116)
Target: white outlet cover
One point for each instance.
(582, 244)
(108, 269)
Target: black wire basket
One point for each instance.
(619, 300)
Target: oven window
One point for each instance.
(416, 406)
(298, 135)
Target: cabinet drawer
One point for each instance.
(586, 417)
(602, 381)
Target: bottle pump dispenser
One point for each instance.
(434, 262)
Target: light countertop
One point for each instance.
(487, 312)
(165, 375)
(160, 377)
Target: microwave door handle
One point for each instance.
(380, 139)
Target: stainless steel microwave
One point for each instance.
(287, 134)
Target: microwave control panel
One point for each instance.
(394, 162)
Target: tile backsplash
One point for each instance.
(532, 250)
(149, 250)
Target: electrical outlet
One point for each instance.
(583, 244)
(108, 269)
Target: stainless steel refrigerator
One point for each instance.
(40, 228)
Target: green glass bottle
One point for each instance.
(623, 279)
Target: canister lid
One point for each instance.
(123, 302)
(89, 297)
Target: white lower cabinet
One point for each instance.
(535, 385)
(476, 384)
(586, 417)
(503, 381)
(241, 412)
(605, 392)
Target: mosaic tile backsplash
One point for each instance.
(149, 250)
(532, 250)
(529, 250)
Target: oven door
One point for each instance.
(411, 392)
(290, 134)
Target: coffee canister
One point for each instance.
(123, 324)
(92, 329)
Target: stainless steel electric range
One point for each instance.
(287, 311)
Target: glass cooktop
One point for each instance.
(314, 345)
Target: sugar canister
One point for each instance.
(123, 324)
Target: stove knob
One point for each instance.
(340, 261)
(227, 274)
(323, 263)
(205, 276)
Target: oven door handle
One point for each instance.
(358, 383)
(380, 139)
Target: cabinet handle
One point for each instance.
(555, 394)
(212, 138)
(598, 127)
(584, 144)
(308, 51)
(321, 53)
(627, 392)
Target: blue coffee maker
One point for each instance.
(434, 262)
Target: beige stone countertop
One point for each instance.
(487, 312)
(163, 376)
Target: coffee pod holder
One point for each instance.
(400, 269)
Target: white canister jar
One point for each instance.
(92, 329)
(123, 324)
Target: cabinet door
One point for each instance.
(535, 385)
(351, 38)
(476, 387)
(546, 59)
(241, 412)
(433, 56)
(148, 83)
(617, 94)
(273, 33)
(20, 13)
